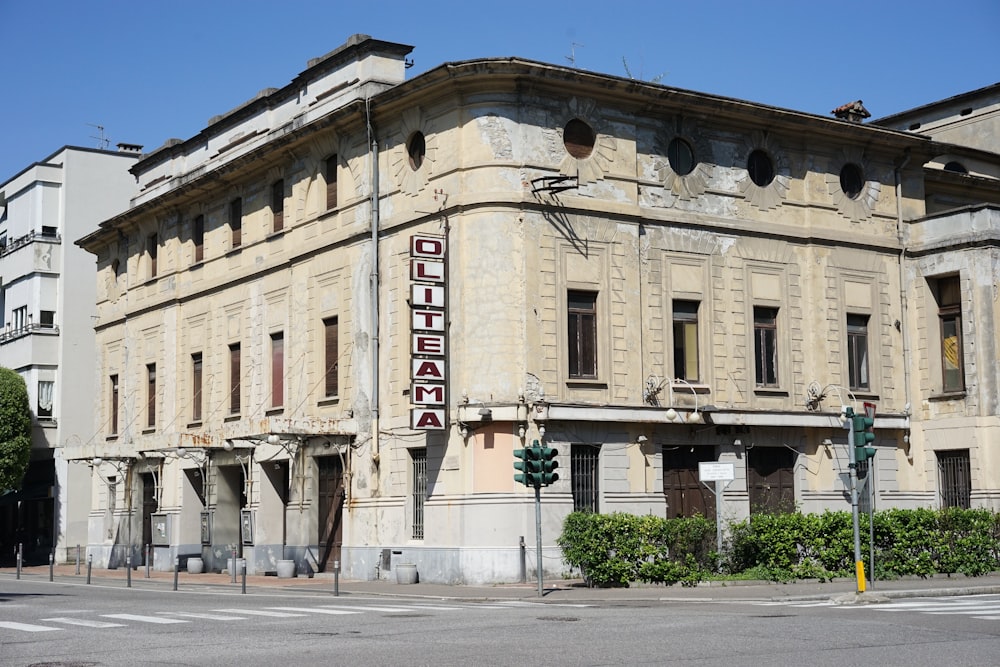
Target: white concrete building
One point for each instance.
(47, 295)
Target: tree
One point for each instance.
(15, 429)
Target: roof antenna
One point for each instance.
(572, 53)
(102, 141)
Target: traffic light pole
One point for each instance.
(859, 566)
(538, 534)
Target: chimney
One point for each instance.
(853, 111)
(129, 148)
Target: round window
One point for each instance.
(760, 168)
(852, 180)
(579, 138)
(681, 156)
(416, 147)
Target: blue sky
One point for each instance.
(149, 70)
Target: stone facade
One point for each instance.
(642, 277)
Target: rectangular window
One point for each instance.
(152, 250)
(234, 379)
(278, 205)
(19, 317)
(765, 340)
(583, 474)
(198, 235)
(582, 334)
(857, 352)
(46, 389)
(330, 175)
(277, 370)
(686, 340)
(196, 397)
(150, 395)
(949, 299)
(955, 478)
(236, 221)
(114, 404)
(47, 319)
(419, 485)
(330, 334)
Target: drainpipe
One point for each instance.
(374, 283)
(902, 284)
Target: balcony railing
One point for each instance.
(10, 332)
(30, 237)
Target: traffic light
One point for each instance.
(536, 464)
(864, 435)
(549, 464)
(522, 465)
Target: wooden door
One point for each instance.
(331, 509)
(771, 480)
(685, 494)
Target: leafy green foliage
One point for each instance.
(618, 549)
(15, 429)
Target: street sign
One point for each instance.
(713, 471)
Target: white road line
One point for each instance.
(210, 617)
(258, 612)
(315, 610)
(366, 608)
(144, 619)
(436, 607)
(26, 627)
(969, 610)
(84, 622)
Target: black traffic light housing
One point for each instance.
(536, 465)
(864, 435)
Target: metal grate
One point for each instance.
(955, 476)
(584, 477)
(419, 491)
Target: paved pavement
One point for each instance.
(564, 591)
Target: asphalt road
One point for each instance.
(66, 624)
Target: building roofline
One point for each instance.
(48, 159)
(937, 104)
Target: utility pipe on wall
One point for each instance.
(374, 283)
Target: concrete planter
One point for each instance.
(286, 569)
(406, 573)
(195, 566)
(241, 565)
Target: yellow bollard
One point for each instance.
(860, 567)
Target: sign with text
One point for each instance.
(713, 471)
(428, 347)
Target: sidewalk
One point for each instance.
(556, 591)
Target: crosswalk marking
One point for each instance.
(367, 608)
(435, 607)
(144, 619)
(209, 617)
(83, 622)
(315, 610)
(259, 612)
(25, 627)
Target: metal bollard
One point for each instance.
(52, 562)
(78, 560)
(524, 567)
(149, 556)
(177, 567)
(19, 547)
(232, 573)
(336, 578)
(90, 564)
(244, 586)
(128, 567)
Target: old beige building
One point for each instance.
(328, 319)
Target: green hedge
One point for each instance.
(617, 549)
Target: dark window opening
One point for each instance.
(198, 235)
(582, 334)
(857, 352)
(685, 315)
(330, 354)
(330, 173)
(47, 319)
(760, 168)
(956, 167)
(234, 378)
(579, 138)
(852, 180)
(150, 395)
(277, 370)
(681, 156)
(278, 205)
(765, 330)
(955, 478)
(416, 148)
(196, 398)
(583, 473)
(236, 221)
(114, 404)
(152, 249)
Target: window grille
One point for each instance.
(584, 477)
(955, 477)
(419, 491)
